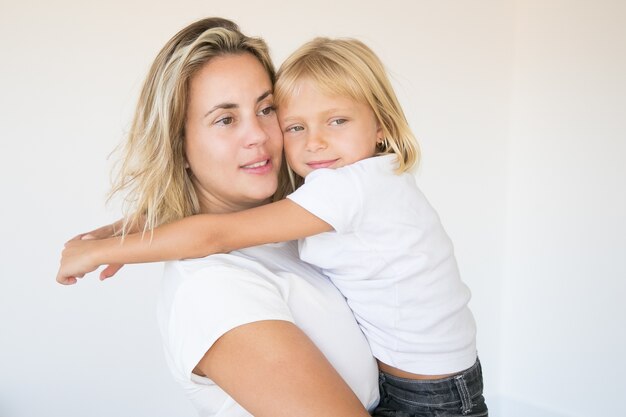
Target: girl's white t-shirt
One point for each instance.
(393, 261)
(202, 299)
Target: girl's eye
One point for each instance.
(294, 129)
(267, 111)
(338, 122)
(224, 121)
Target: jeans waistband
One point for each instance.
(472, 377)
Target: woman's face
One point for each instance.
(233, 142)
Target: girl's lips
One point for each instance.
(321, 164)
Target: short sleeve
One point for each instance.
(214, 300)
(333, 195)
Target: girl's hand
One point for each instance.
(77, 259)
(104, 232)
(66, 278)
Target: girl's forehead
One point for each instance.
(308, 85)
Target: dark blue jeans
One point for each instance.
(459, 395)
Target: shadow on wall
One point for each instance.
(508, 407)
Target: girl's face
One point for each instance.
(323, 131)
(233, 141)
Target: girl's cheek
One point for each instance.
(290, 152)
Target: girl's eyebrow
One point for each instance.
(336, 110)
(326, 113)
(234, 105)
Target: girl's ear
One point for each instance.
(379, 133)
(381, 142)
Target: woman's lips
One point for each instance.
(259, 167)
(321, 164)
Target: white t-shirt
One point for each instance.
(391, 258)
(202, 299)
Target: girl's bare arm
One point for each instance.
(192, 237)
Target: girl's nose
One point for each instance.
(315, 142)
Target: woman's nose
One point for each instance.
(256, 134)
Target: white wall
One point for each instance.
(563, 338)
(477, 79)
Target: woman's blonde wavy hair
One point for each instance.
(348, 68)
(151, 172)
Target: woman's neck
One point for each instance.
(214, 206)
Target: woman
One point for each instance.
(255, 326)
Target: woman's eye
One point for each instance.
(224, 121)
(267, 111)
(294, 129)
(338, 121)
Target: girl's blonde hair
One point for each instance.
(348, 68)
(158, 188)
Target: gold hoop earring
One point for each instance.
(382, 144)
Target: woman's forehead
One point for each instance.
(230, 78)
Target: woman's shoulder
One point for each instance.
(264, 262)
(211, 284)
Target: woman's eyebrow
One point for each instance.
(263, 96)
(221, 106)
(234, 105)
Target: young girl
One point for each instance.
(361, 219)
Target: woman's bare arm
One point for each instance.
(273, 369)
